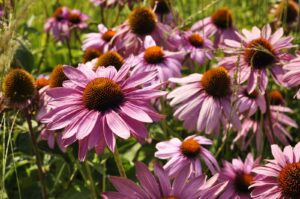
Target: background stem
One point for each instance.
(91, 180)
(36, 153)
(119, 163)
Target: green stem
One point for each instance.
(220, 149)
(15, 168)
(119, 163)
(78, 166)
(3, 125)
(36, 153)
(118, 16)
(56, 180)
(91, 180)
(43, 53)
(102, 15)
(87, 176)
(104, 176)
(164, 122)
(268, 111)
(69, 51)
(77, 35)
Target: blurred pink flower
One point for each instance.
(197, 45)
(52, 137)
(203, 102)
(239, 176)
(58, 24)
(186, 153)
(95, 106)
(77, 19)
(249, 103)
(44, 108)
(280, 177)
(292, 77)
(100, 40)
(161, 186)
(63, 21)
(168, 64)
(258, 51)
(162, 9)
(260, 124)
(219, 24)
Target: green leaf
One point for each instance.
(23, 58)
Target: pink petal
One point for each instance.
(74, 74)
(87, 126)
(278, 155)
(135, 112)
(147, 180)
(117, 125)
(83, 148)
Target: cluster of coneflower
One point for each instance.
(126, 69)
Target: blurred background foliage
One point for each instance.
(37, 52)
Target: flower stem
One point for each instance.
(85, 173)
(43, 53)
(104, 176)
(119, 163)
(164, 122)
(69, 51)
(117, 16)
(102, 15)
(91, 180)
(224, 140)
(269, 115)
(36, 153)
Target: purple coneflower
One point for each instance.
(56, 79)
(286, 13)
(272, 125)
(197, 45)
(258, 51)
(219, 24)
(239, 176)
(204, 101)
(186, 153)
(292, 77)
(280, 177)
(77, 19)
(249, 103)
(109, 58)
(58, 24)
(95, 106)
(163, 10)
(42, 84)
(90, 54)
(100, 40)
(141, 22)
(151, 187)
(51, 137)
(161, 7)
(168, 64)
